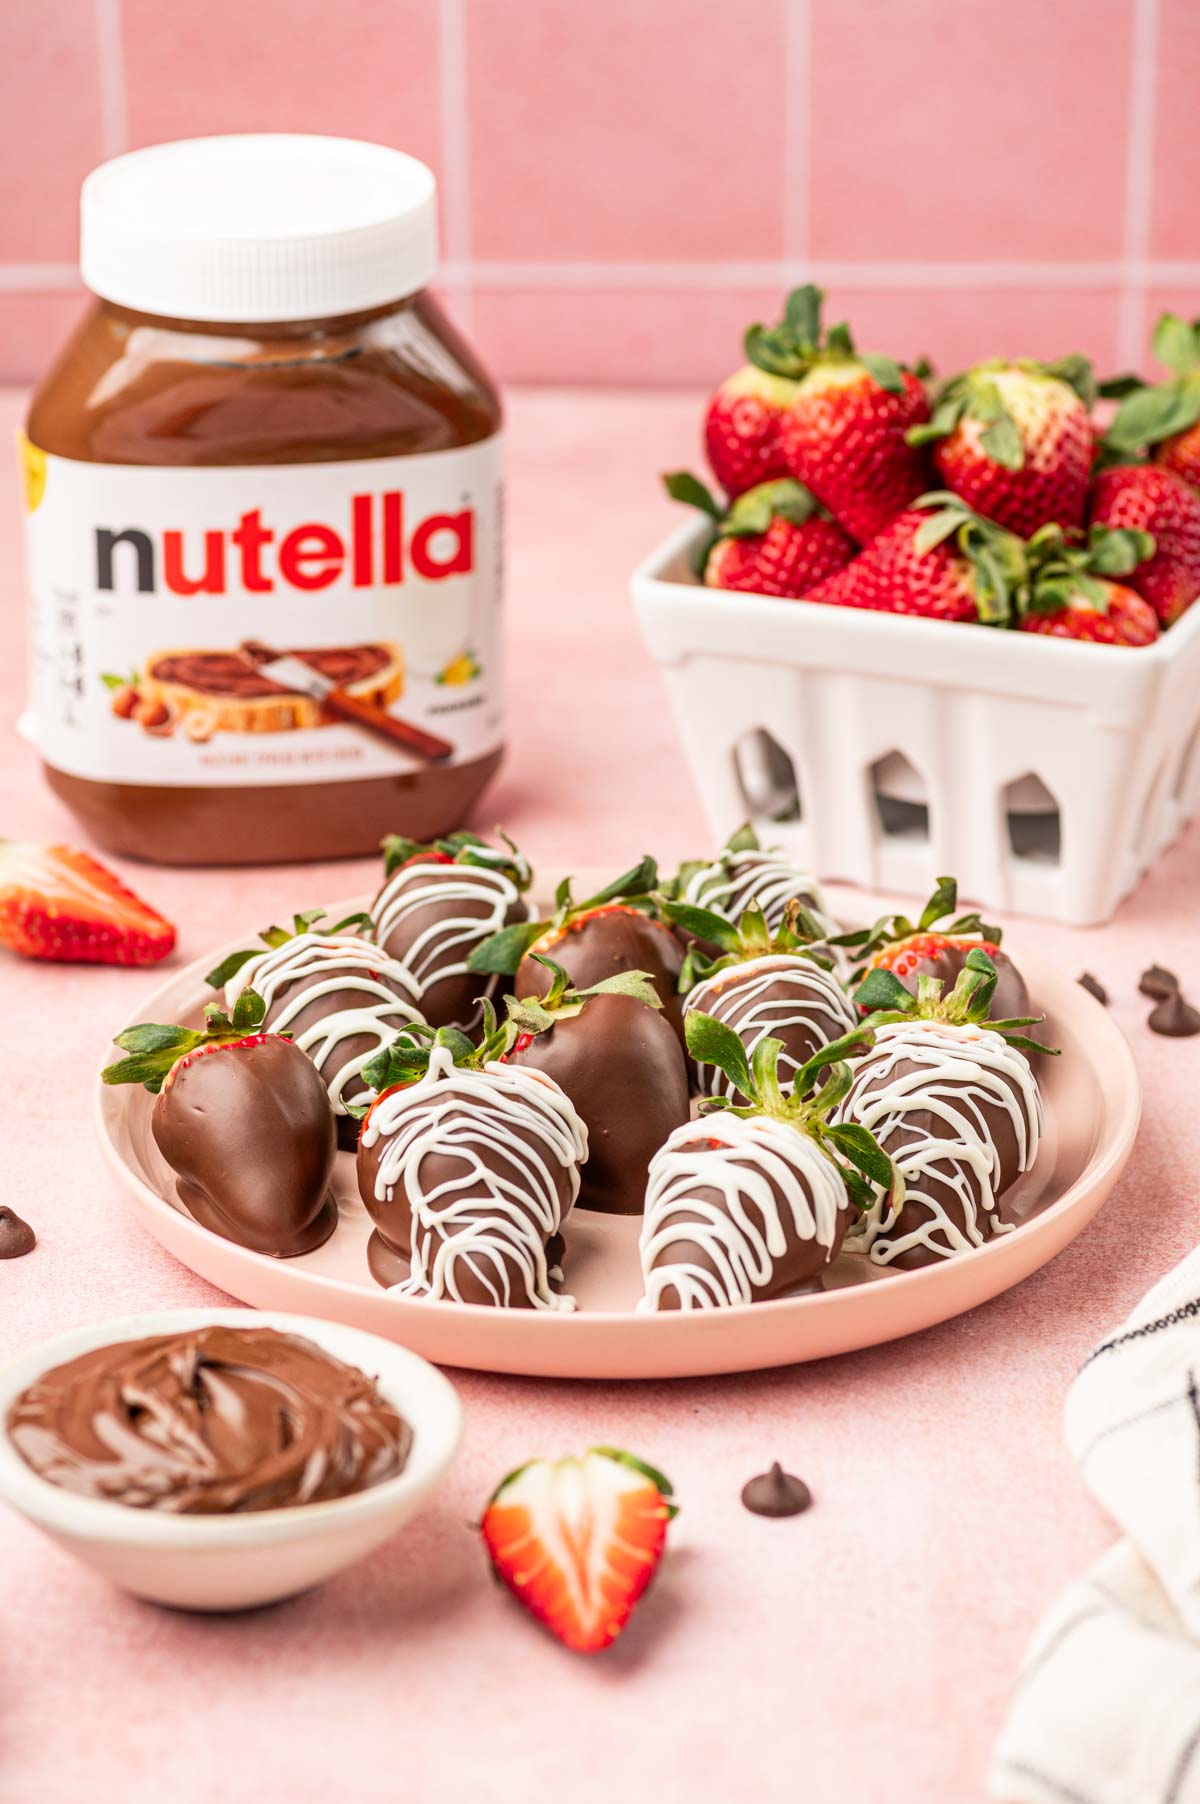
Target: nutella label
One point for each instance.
(268, 624)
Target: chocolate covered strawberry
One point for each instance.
(937, 944)
(775, 539)
(940, 561)
(613, 931)
(616, 1056)
(843, 434)
(949, 1094)
(741, 428)
(60, 904)
(1073, 590)
(578, 1540)
(1153, 499)
(755, 1202)
(764, 985)
(244, 1121)
(1163, 418)
(439, 901)
(746, 874)
(1014, 439)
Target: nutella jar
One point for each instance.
(264, 491)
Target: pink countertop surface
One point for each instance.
(861, 1652)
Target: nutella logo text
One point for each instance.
(376, 548)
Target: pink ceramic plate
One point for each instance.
(1093, 1102)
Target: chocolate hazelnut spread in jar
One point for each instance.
(264, 491)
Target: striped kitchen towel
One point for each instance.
(1106, 1708)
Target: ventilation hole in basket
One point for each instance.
(1033, 818)
(901, 797)
(767, 778)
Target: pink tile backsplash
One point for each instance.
(625, 185)
(978, 130)
(626, 131)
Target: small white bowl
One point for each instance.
(239, 1561)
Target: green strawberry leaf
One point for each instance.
(681, 485)
(1077, 372)
(704, 924)
(229, 967)
(744, 840)
(946, 416)
(149, 1036)
(863, 1151)
(1151, 414)
(882, 990)
(1174, 344)
(802, 313)
(710, 1042)
(637, 882)
(1002, 442)
(500, 955)
(249, 1012)
(1115, 388)
(885, 370)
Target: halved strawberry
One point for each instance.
(577, 1541)
(59, 903)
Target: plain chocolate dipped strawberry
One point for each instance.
(779, 985)
(619, 1060)
(468, 1167)
(333, 991)
(613, 931)
(436, 904)
(244, 1121)
(950, 1095)
(754, 1201)
(936, 945)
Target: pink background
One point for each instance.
(625, 185)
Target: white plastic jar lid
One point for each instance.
(259, 227)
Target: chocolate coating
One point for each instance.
(1011, 997)
(607, 940)
(16, 1236)
(1174, 1017)
(781, 997)
(623, 1067)
(423, 914)
(776, 1493)
(214, 1421)
(249, 1132)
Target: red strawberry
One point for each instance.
(1164, 417)
(1154, 499)
(578, 1540)
(1071, 592)
(57, 903)
(774, 539)
(741, 428)
(843, 434)
(944, 565)
(1015, 441)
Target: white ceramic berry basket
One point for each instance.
(882, 750)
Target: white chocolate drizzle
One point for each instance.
(760, 1167)
(441, 949)
(739, 996)
(496, 1213)
(313, 965)
(963, 1072)
(764, 879)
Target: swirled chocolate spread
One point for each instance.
(215, 1421)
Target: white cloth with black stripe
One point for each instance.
(1106, 1708)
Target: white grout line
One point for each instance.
(699, 275)
(114, 112)
(1139, 181)
(797, 131)
(455, 171)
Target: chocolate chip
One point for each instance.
(1175, 1017)
(1094, 987)
(776, 1493)
(16, 1236)
(1158, 983)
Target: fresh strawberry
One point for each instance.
(58, 903)
(1015, 441)
(945, 564)
(1165, 417)
(843, 433)
(741, 428)
(1155, 500)
(577, 1541)
(1072, 591)
(774, 540)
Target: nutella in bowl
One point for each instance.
(211, 1421)
(264, 494)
